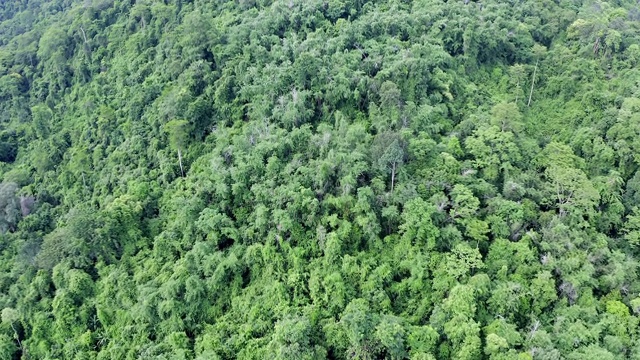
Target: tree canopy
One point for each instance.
(342, 179)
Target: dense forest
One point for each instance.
(312, 179)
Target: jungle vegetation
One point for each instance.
(312, 179)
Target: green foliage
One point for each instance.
(341, 179)
(9, 207)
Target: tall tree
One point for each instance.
(178, 131)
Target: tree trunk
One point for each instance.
(84, 35)
(393, 174)
(180, 160)
(17, 337)
(533, 81)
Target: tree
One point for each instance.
(422, 340)
(464, 203)
(391, 334)
(631, 228)
(11, 316)
(178, 131)
(462, 261)
(507, 117)
(462, 331)
(292, 340)
(358, 324)
(41, 116)
(8, 147)
(9, 207)
(8, 347)
(418, 228)
(495, 151)
(388, 153)
(517, 75)
(572, 191)
(358, 179)
(543, 289)
(538, 52)
(623, 136)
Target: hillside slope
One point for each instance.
(344, 179)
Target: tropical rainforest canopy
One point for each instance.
(311, 179)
